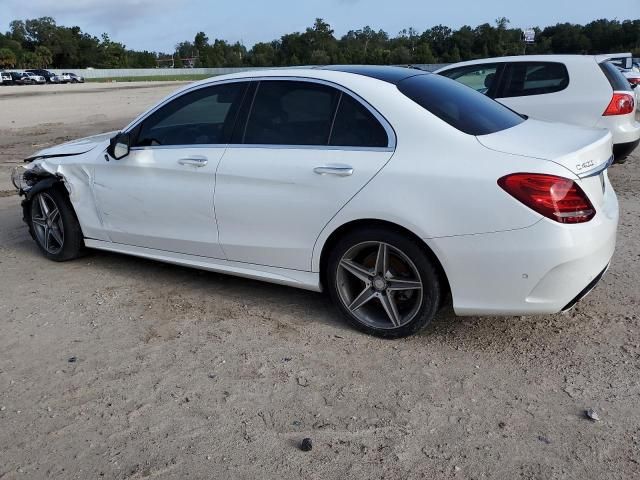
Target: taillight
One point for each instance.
(557, 198)
(634, 80)
(620, 104)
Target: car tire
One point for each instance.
(54, 226)
(384, 283)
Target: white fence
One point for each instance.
(148, 72)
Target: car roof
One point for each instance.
(385, 73)
(525, 58)
(351, 77)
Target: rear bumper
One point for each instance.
(586, 290)
(625, 130)
(536, 270)
(623, 150)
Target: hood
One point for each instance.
(580, 150)
(74, 147)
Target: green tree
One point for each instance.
(7, 58)
(424, 54)
(400, 56)
(41, 42)
(29, 60)
(111, 54)
(43, 56)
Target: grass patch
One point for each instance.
(152, 78)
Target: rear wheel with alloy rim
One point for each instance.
(54, 226)
(383, 282)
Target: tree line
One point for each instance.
(42, 43)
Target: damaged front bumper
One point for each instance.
(25, 177)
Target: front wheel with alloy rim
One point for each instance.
(383, 282)
(54, 226)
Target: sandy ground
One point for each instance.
(116, 367)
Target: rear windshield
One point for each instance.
(460, 106)
(617, 80)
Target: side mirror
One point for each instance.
(119, 146)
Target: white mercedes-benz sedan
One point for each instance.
(393, 189)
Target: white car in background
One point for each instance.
(630, 69)
(389, 187)
(36, 79)
(5, 78)
(74, 78)
(632, 76)
(64, 78)
(578, 89)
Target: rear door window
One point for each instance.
(522, 79)
(291, 113)
(482, 78)
(461, 107)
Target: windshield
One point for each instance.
(460, 106)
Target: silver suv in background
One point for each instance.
(73, 77)
(583, 90)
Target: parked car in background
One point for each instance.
(579, 89)
(36, 79)
(21, 78)
(626, 64)
(46, 74)
(74, 78)
(631, 75)
(391, 188)
(5, 78)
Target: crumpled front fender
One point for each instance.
(77, 179)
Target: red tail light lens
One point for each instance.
(634, 80)
(620, 104)
(557, 198)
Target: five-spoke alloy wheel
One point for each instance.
(47, 223)
(53, 224)
(383, 282)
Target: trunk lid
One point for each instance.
(583, 151)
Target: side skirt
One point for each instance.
(282, 276)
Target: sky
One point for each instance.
(157, 25)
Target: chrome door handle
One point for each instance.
(195, 161)
(339, 170)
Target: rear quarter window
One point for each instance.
(460, 106)
(355, 126)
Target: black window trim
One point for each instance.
(240, 122)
